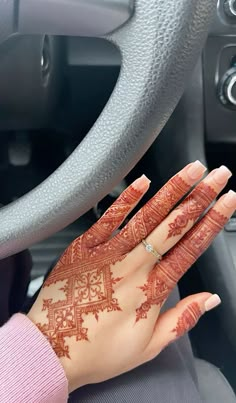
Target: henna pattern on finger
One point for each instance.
(191, 208)
(164, 277)
(188, 319)
(151, 214)
(113, 217)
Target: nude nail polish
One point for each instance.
(221, 175)
(141, 183)
(212, 302)
(196, 170)
(230, 199)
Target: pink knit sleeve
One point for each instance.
(29, 369)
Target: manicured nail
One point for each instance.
(221, 175)
(141, 183)
(229, 199)
(196, 170)
(212, 302)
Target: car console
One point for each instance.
(206, 114)
(219, 81)
(219, 66)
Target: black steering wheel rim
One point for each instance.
(159, 47)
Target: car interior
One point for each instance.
(85, 110)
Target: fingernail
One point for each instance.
(141, 183)
(230, 199)
(196, 170)
(212, 302)
(221, 175)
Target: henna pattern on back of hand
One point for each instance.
(85, 277)
(84, 273)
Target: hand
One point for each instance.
(100, 306)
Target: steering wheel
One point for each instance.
(159, 43)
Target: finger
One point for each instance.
(182, 219)
(179, 320)
(157, 208)
(115, 215)
(164, 277)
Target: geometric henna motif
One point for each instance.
(192, 208)
(88, 288)
(85, 270)
(165, 275)
(85, 267)
(151, 214)
(112, 218)
(188, 319)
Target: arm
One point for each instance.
(100, 308)
(30, 370)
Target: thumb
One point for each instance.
(179, 320)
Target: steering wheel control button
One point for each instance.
(227, 88)
(230, 8)
(231, 225)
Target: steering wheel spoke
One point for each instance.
(74, 17)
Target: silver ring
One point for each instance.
(150, 249)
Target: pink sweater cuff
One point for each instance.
(29, 369)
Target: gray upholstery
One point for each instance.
(159, 48)
(164, 380)
(213, 386)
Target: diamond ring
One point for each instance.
(150, 249)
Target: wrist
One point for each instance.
(64, 362)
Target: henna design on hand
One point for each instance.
(164, 277)
(113, 217)
(151, 215)
(191, 208)
(85, 277)
(188, 319)
(85, 267)
(88, 288)
(84, 272)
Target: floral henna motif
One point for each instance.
(164, 277)
(188, 319)
(152, 214)
(191, 209)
